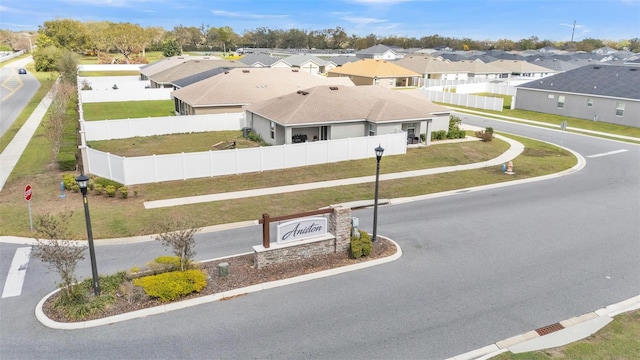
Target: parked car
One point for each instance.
(22, 71)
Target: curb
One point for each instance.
(208, 298)
(532, 341)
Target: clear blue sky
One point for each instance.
(478, 20)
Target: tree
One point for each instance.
(152, 38)
(57, 114)
(171, 48)
(182, 242)
(66, 33)
(68, 67)
(98, 37)
(339, 38)
(295, 39)
(46, 58)
(57, 253)
(127, 38)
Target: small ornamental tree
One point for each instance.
(182, 242)
(55, 251)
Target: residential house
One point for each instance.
(229, 91)
(309, 63)
(432, 68)
(379, 52)
(339, 112)
(263, 60)
(155, 67)
(165, 78)
(377, 72)
(608, 93)
(522, 68)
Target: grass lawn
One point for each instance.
(557, 120)
(113, 217)
(506, 98)
(618, 340)
(128, 109)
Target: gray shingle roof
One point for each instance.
(618, 81)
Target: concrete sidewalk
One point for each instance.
(516, 148)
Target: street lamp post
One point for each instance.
(379, 150)
(83, 181)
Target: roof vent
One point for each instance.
(596, 67)
(333, 87)
(245, 71)
(633, 69)
(294, 70)
(302, 92)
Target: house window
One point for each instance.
(589, 102)
(372, 130)
(619, 108)
(560, 101)
(273, 130)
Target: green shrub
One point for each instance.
(123, 191)
(172, 262)
(68, 180)
(485, 135)
(172, 285)
(439, 135)
(110, 190)
(360, 246)
(106, 182)
(98, 189)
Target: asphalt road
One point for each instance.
(15, 92)
(477, 267)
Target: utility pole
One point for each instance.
(574, 30)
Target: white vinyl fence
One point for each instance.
(183, 166)
(129, 88)
(480, 102)
(128, 128)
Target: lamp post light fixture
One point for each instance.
(83, 181)
(379, 150)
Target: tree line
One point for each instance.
(130, 41)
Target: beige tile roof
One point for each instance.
(330, 104)
(191, 67)
(478, 67)
(372, 67)
(520, 66)
(425, 64)
(248, 85)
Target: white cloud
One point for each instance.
(363, 20)
(243, 15)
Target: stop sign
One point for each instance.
(27, 192)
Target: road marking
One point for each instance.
(10, 86)
(607, 153)
(17, 271)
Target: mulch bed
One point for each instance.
(242, 272)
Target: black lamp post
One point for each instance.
(83, 181)
(379, 150)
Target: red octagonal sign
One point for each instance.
(27, 192)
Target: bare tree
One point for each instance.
(54, 250)
(182, 242)
(55, 122)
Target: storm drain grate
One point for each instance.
(549, 329)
